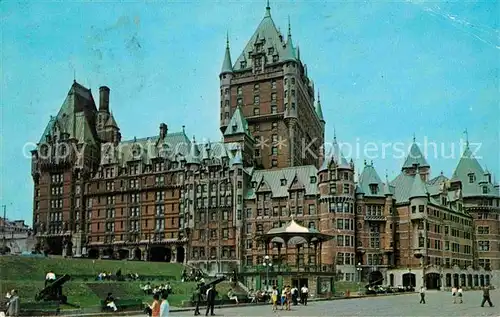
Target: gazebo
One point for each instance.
(293, 234)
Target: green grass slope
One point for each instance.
(27, 268)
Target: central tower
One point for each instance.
(270, 84)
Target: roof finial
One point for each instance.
(386, 176)
(371, 162)
(74, 75)
(414, 138)
(334, 134)
(184, 129)
(268, 9)
(227, 39)
(319, 100)
(289, 28)
(466, 138)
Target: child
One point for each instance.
(274, 298)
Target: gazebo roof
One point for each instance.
(293, 230)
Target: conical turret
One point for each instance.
(227, 65)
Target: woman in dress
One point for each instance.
(155, 306)
(274, 298)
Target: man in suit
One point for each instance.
(211, 295)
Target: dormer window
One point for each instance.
(243, 64)
(235, 127)
(254, 184)
(275, 58)
(373, 189)
(313, 179)
(270, 51)
(283, 182)
(485, 189)
(472, 178)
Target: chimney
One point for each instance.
(104, 98)
(163, 130)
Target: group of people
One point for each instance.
(195, 275)
(160, 289)
(458, 292)
(289, 295)
(160, 306)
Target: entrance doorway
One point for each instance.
(432, 281)
(299, 282)
(160, 254)
(409, 280)
(376, 278)
(180, 254)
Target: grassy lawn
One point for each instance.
(27, 275)
(34, 269)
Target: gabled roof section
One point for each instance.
(296, 184)
(193, 156)
(263, 186)
(238, 124)
(269, 34)
(472, 176)
(273, 178)
(415, 157)
(71, 115)
(368, 178)
(438, 180)
(418, 188)
(111, 122)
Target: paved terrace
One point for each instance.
(438, 304)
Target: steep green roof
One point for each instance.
(418, 188)
(279, 180)
(468, 166)
(415, 157)
(238, 124)
(319, 110)
(71, 117)
(227, 65)
(193, 157)
(268, 35)
(369, 177)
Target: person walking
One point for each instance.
(155, 306)
(304, 293)
(13, 304)
(454, 294)
(274, 298)
(197, 296)
(422, 295)
(460, 294)
(486, 295)
(165, 306)
(211, 295)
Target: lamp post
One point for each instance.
(268, 264)
(359, 269)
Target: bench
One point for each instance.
(48, 308)
(124, 305)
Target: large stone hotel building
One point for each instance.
(168, 198)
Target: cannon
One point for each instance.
(371, 288)
(205, 287)
(53, 291)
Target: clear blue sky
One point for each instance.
(386, 71)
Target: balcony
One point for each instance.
(375, 218)
(288, 269)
